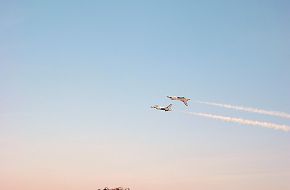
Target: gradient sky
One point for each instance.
(77, 79)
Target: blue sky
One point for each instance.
(84, 75)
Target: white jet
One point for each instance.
(167, 108)
(182, 99)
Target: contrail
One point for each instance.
(248, 109)
(243, 121)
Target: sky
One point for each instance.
(77, 79)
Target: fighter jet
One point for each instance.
(182, 99)
(167, 108)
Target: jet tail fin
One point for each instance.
(169, 106)
(185, 101)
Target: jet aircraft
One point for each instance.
(167, 108)
(182, 99)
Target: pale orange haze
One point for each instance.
(77, 163)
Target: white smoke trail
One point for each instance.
(248, 109)
(243, 121)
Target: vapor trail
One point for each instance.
(243, 121)
(248, 109)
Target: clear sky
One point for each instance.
(77, 79)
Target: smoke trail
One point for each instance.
(248, 109)
(243, 121)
